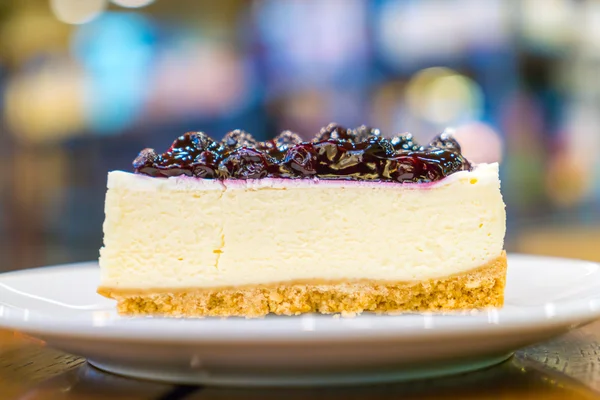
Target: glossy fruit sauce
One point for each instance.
(335, 153)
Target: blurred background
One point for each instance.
(86, 84)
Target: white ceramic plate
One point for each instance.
(545, 297)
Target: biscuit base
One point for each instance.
(479, 288)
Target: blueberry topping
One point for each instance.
(238, 138)
(376, 147)
(145, 159)
(302, 159)
(363, 133)
(186, 148)
(335, 132)
(245, 163)
(337, 153)
(286, 139)
(206, 165)
(146, 162)
(279, 146)
(425, 166)
(405, 142)
(445, 141)
(336, 158)
(193, 142)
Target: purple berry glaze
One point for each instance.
(335, 153)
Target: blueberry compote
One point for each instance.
(335, 153)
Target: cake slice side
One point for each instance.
(192, 247)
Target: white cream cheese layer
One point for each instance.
(188, 232)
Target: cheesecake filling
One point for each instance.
(185, 232)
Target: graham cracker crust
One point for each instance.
(479, 288)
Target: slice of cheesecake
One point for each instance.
(238, 241)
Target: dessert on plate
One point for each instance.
(345, 223)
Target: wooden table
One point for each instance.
(565, 368)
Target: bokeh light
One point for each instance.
(29, 34)
(116, 51)
(77, 11)
(45, 105)
(480, 142)
(568, 180)
(215, 82)
(409, 33)
(444, 97)
(548, 23)
(132, 3)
